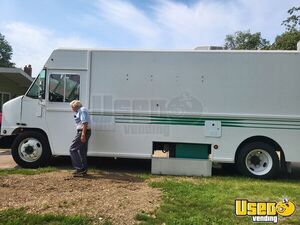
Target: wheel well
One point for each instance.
(22, 129)
(263, 139)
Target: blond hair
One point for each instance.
(75, 104)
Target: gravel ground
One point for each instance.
(101, 195)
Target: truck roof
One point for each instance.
(78, 58)
(176, 50)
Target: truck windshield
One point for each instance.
(37, 89)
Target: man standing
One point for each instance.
(79, 147)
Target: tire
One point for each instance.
(258, 160)
(31, 150)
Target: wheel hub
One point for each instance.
(255, 160)
(30, 149)
(258, 162)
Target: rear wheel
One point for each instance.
(258, 159)
(31, 150)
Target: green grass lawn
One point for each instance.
(20, 217)
(189, 201)
(186, 201)
(5, 172)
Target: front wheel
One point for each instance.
(258, 160)
(31, 150)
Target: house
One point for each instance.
(13, 82)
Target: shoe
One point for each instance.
(80, 173)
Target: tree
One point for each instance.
(286, 41)
(289, 39)
(5, 53)
(292, 23)
(245, 40)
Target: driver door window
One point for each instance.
(64, 87)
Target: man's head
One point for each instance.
(75, 105)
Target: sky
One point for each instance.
(34, 28)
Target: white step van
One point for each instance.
(239, 107)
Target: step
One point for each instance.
(181, 166)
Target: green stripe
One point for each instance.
(202, 124)
(202, 121)
(284, 128)
(193, 118)
(161, 120)
(171, 120)
(267, 124)
(163, 123)
(126, 116)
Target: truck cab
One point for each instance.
(25, 122)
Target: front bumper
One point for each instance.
(7, 131)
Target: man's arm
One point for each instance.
(83, 134)
(84, 121)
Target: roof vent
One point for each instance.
(209, 48)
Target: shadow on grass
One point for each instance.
(143, 166)
(107, 164)
(134, 170)
(115, 176)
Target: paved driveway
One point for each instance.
(6, 161)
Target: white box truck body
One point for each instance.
(245, 105)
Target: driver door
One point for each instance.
(33, 104)
(63, 87)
